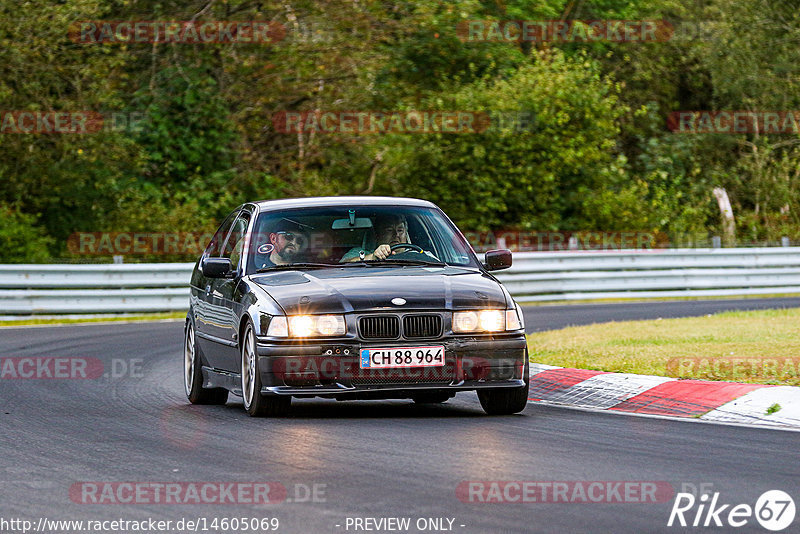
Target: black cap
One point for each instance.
(288, 225)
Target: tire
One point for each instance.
(256, 404)
(193, 375)
(432, 397)
(506, 401)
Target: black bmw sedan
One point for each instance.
(350, 298)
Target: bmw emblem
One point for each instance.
(397, 301)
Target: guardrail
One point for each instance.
(88, 289)
(534, 277)
(550, 276)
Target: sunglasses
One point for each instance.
(289, 236)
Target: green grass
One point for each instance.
(658, 299)
(752, 346)
(116, 318)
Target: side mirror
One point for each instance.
(497, 259)
(216, 267)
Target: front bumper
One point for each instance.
(331, 368)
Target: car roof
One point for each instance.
(307, 202)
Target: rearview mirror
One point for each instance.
(216, 267)
(497, 259)
(345, 224)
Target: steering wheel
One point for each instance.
(415, 248)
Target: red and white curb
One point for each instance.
(727, 402)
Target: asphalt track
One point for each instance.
(375, 459)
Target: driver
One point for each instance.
(390, 230)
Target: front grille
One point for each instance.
(380, 327)
(418, 326)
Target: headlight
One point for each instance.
(301, 326)
(307, 326)
(466, 322)
(491, 320)
(478, 321)
(330, 325)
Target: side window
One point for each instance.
(214, 248)
(235, 244)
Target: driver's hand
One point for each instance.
(382, 252)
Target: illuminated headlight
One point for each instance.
(478, 321)
(491, 320)
(307, 326)
(466, 322)
(301, 326)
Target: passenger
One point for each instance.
(287, 240)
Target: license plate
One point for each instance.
(389, 358)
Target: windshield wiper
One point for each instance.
(292, 266)
(383, 263)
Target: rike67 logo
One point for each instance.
(774, 510)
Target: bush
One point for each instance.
(537, 176)
(21, 239)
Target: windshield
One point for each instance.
(356, 235)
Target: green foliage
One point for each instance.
(534, 176)
(186, 131)
(599, 155)
(21, 239)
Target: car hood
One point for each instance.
(348, 289)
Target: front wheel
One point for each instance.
(193, 375)
(506, 401)
(256, 404)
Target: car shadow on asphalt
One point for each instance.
(323, 408)
(316, 408)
